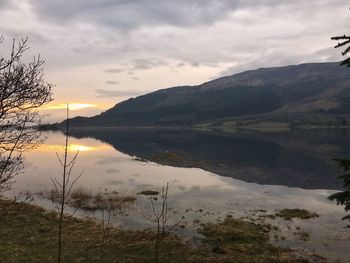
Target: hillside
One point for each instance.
(314, 92)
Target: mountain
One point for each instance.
(306, 93)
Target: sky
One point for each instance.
(101, 52)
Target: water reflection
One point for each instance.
(71, 148)
(104, 167)
(296, 158)
(299, 158)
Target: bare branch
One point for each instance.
(345, 42)
(23, 90)
(65, 186)
(59, 159)
(160, 218)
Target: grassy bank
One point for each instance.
(29, 234)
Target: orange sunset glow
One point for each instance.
(72, 148)
(72, 106)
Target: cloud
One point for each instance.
(195, 64)
(276, 59)
(5, 4)
(143, 64)
(142, 35)
(131, 14)
(111, 82)
(168, 43)
(180, 65)
(118, 93)
(113, 70)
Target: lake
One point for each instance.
(210, 175)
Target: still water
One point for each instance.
(210, 175)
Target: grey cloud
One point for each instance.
(118, 93)
(111, 82)
(78, 49)
(129, 14)
(33, 36)
(143, 64)
(185, 33)
(280, 58)
(4, 4)
(288, 35)
(328, 54)
(180, 65)
(135, 78)
(87, 26)
(195, 64)
(113, 70)
(133, 14)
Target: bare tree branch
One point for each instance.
(64, 187)
(23, 90)
(346, 42)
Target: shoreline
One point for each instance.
(231, 240)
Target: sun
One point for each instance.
(80, 148)
(72, 106)
(79, 106)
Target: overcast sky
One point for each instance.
(103, 51)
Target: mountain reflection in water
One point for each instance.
(299, 158)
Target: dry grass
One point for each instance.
(245, 242)
(29, 234)
(112, 200)
(289, 214)
(80, 197)
(148, 192)
(84, 199)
